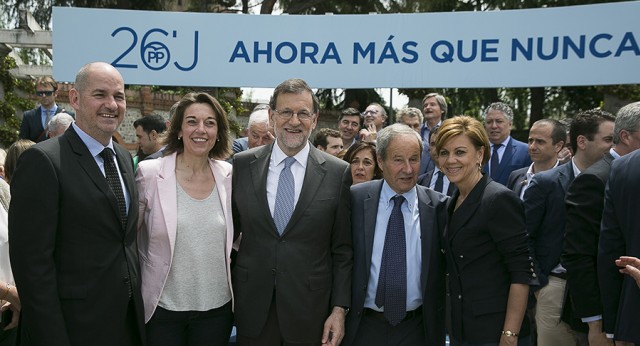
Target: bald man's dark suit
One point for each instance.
(365, 198)
(308, 267)
(73, 262)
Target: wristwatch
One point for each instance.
(509, 333)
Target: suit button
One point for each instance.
(442, 250)
(461, 256)
(459, 296)
(534, 275)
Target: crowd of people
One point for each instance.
(434, 227)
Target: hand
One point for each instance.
(11, 296)
(630, 266)
(596, 336)
(334, 327)
(564, 155)
(508, 340)
(369, 134)
(14, 318)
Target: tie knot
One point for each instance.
(107, 154)
(290, 160)
(496, 147)
(397, 200)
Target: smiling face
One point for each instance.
(460, 160)
(100, 104)
(373, 115)
(199, 129)
(432, 111)
(293, 134)
(349, 126)
(402, 163)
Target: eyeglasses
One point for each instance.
(370, 112)
(44, 93)
(288, 114)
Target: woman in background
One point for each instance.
(363, 160)
(185, 229)
(489, 264)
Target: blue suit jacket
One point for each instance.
(546, 216)
(517, 180)
(31, 126)
(364, 210)
(240, 144)
(620, 235)
(516, 155)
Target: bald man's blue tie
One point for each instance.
(392, 282)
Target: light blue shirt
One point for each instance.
(44, 113)
(411, 215)
(434, 179)
(276, 165)
(95, 148)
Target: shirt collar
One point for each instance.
(278, 156)
(95, 147)
(614, 153)
(576, 170)
(387, 193)
(504, 143)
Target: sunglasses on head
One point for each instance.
(44, 93)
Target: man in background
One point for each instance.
(328, 140)
(507, 153)
(148, 132)
(34, 121)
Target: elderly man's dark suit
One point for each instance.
(486, 247)
(620, 235)
(73, 262)
(308, 267)
(515, 156)
(585, 202)
(546, 216)
(31, 126)
(364, 211)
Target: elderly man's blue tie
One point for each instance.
(392, 282)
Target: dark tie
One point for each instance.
(113, 178)
(284, 196)
(439, 182)
(495, 161)
(392, 282)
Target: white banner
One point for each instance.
(577, 45)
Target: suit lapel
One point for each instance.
(428, 232)
(259, 167)
(370, 216)
(166, 184)
(509, 151)
(89, 165)
(313, 177)
(126, 171)
(467, 209)
(566, 176)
